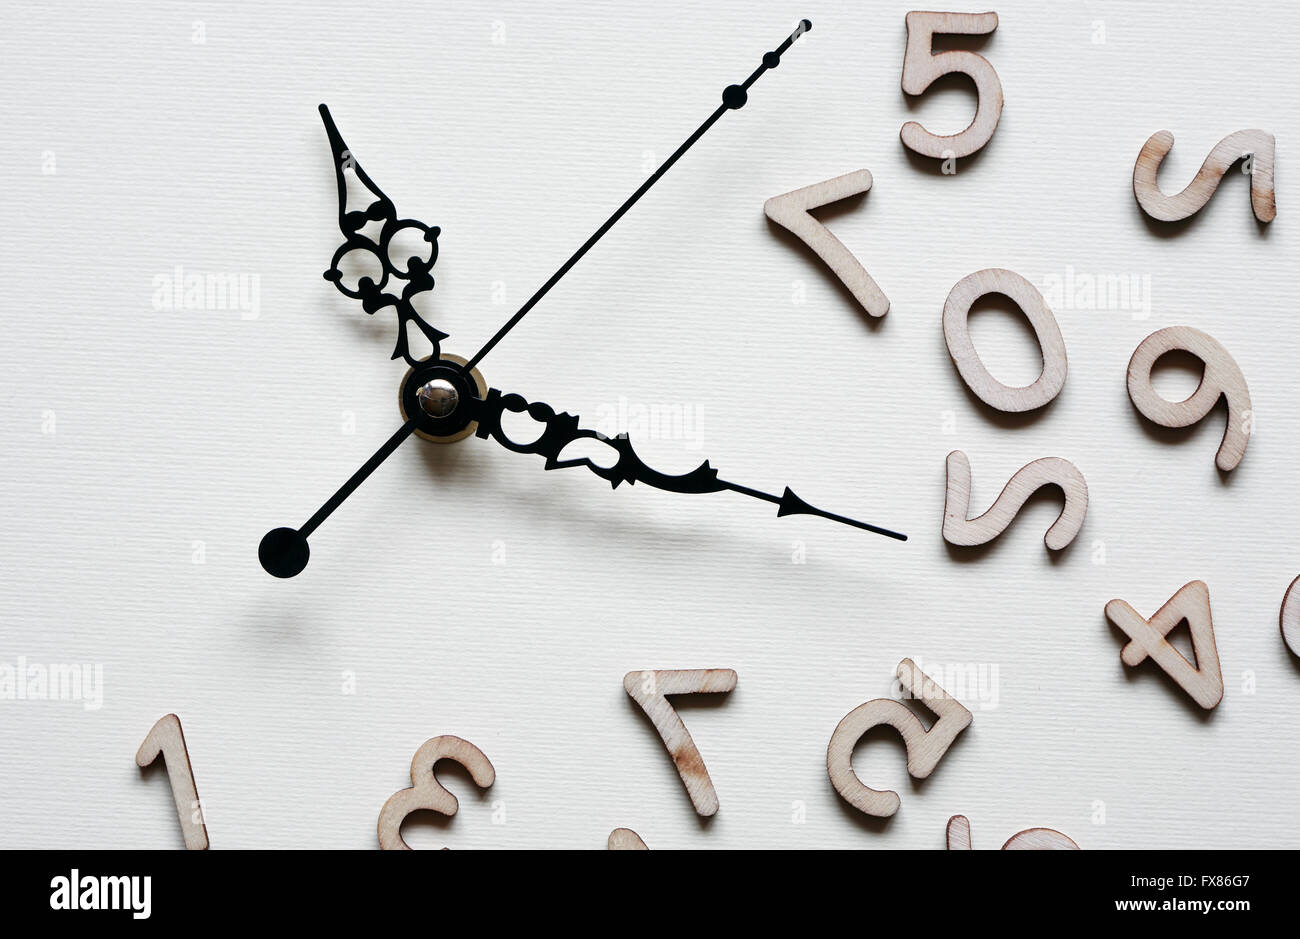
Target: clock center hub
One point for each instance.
(438, 398)
(438, 394)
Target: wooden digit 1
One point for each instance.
(1289, 618)
(1048, 471)
(922, 68)
(956, 334)
(1204, 680)
(925, 748)
(167, 738)
(1222, 378)
(1031, 839)
(426, 792)
(792, 211)
(1257, 146)
(625, 839)
(650, 690)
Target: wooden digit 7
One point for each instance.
(924, 747)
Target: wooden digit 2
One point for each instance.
(167, 739)
(1257, 145)
(1048, 471)
(957, 335)
(922, 68)
(925, 748)
(426, 792)
(1222, 378)
(792, 211)
(1031, 839)
(1204, 680)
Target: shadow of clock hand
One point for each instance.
(562, 429)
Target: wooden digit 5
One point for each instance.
(1048, 471)
(924, 747)
(1257, 146)
(426, 792)
(1204, 680)
(1031, 839)
(1222, 378)
(921, 68)
(167, 739)
(792, 211)
(957, 335)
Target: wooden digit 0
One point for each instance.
(1048, 471)
(1031, 839)
(925, 748)
(956, 334)
(1256, 145)
(1204, 680)
(167, 739)
(426, 792)
(792, 211)
(1222, 378)
(922, 68)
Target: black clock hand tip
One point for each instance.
(791, 504)
(283, 552)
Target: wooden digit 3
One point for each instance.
(426, 792)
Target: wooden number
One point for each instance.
(650, 689)
(924, 747)
(1048, 471)
(956, 334)
(793, 212)
(1256, 146)
(426, 792)
(625, 839)
(921, 69)
(1289, 618)
(167, 738)
(1203, 681)
(1031, 839)
(1222, 378)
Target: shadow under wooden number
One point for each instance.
(625, 839)
(922, 68)
(167, 738)
(1204, 680)
(793, 210)
(1047, 471)
(924, 747)
(1256, 146)
(1050, 343)
(1222, 378)
(1289, 618)
(1031, 839)
(426, 792)
(650, 690)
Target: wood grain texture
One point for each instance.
(1222, 378)
(650, 690)
(1051, 345)
(1289, 618)
(960, 530)
(1202, 680)
(1031, 839)
(625, 839)
(1256, 145)
(425, 791)
(922, 68)
(925, 748)
(793, 211)
(166, 739)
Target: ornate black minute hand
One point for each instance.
(562, 429)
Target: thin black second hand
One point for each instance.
(357, 478)
(731, 100)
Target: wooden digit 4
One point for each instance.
(793, 210)
(925, 748)
(650, 690)
(957, 335)
(167, 738)
(1222, 378)
(1256, 146)
(1050, 470)
(1031, 839)
(1203, 681)
(426, 792)
(921, 69)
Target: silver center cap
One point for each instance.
(438, 398)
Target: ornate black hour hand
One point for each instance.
(561, 430)
(401, 259)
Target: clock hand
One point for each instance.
(733, 99)
(561, 430)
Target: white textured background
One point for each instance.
(517, 128)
